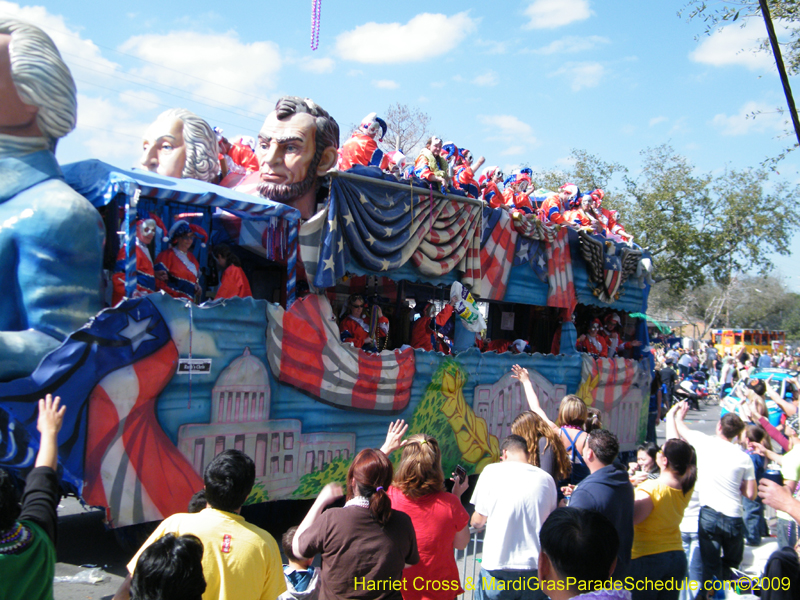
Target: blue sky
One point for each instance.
(515, 81)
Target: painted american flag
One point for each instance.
(304, 350)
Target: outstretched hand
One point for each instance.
(394, 436)
(520, 373)
(51, 415)
(330, 493)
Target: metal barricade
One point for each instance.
(468, 561)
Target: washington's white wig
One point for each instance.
(42, 78)
(202, 155)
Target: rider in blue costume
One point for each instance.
(51, 238)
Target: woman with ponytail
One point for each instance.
(440, 521)
(363, 543)
(657, 552)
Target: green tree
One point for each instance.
(703, 227)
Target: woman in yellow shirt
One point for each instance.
(657, 553)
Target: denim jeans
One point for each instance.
(651, 427)
(721, 543)
(753, 520)
(664, 566)
(691, 547)
(488, 585)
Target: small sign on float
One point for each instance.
(196, 366)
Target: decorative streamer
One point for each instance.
(316, 10)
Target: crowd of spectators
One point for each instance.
(680, 516)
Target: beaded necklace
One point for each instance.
(15, 540)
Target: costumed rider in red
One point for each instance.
(237, 157)
(516, 190)
(584, 216)
(556, 205)
(593, 341)
(394, 163)
(429, 332)
(145, 272)
(489, 181)
(177, 270)
(430, 166)
(361, 148)
(613, 338)
(464, 173)
(354, 328)
(614, 229)
(233, 282)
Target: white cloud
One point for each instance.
(509, 130)
(572, 45)
(744, 122)
(317, 65)
(581, 75)
(549, 14)
(355, 73)
(424, 37)
(492, 47)
(111, 129)
(385, 84)
(438, 84)
(513, 151)
(210, 65)
(738, 45)
(487, 79)
(78, 53)
(656, 120)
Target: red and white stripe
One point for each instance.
(559, 272)
(303, 350)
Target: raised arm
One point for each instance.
(394, 436)
(681, 428)
(328, 495)
(521, 374)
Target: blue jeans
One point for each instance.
(691, 547)
(651, 427)
(665, 566)
(489, 582)
(753, 519)
(721, 543)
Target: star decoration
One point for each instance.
(370, 240)
(328, 263)
(385, 265)
(332, 224)
(388, 230)
(136, 332)
(348, 219)
(363, 199)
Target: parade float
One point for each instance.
(156, 386)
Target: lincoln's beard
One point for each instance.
(284, 193)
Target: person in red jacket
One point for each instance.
(554, 207)
(464, 175)
(516, 191)
(233, 282)
(593, 341)
(145, 272)
(489, 181)
(361, 148)
(426, 333)
(177, 270)
(355, 327)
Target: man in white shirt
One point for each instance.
(512, 500)
(724, 474)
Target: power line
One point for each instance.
(127, 77)
(69, 33)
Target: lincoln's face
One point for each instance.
(286, 148)
(163, 147)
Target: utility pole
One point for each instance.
(776, 51)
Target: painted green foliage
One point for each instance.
(258, 494)
(445, 393)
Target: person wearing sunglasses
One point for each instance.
(593, 341)
(354, 328)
